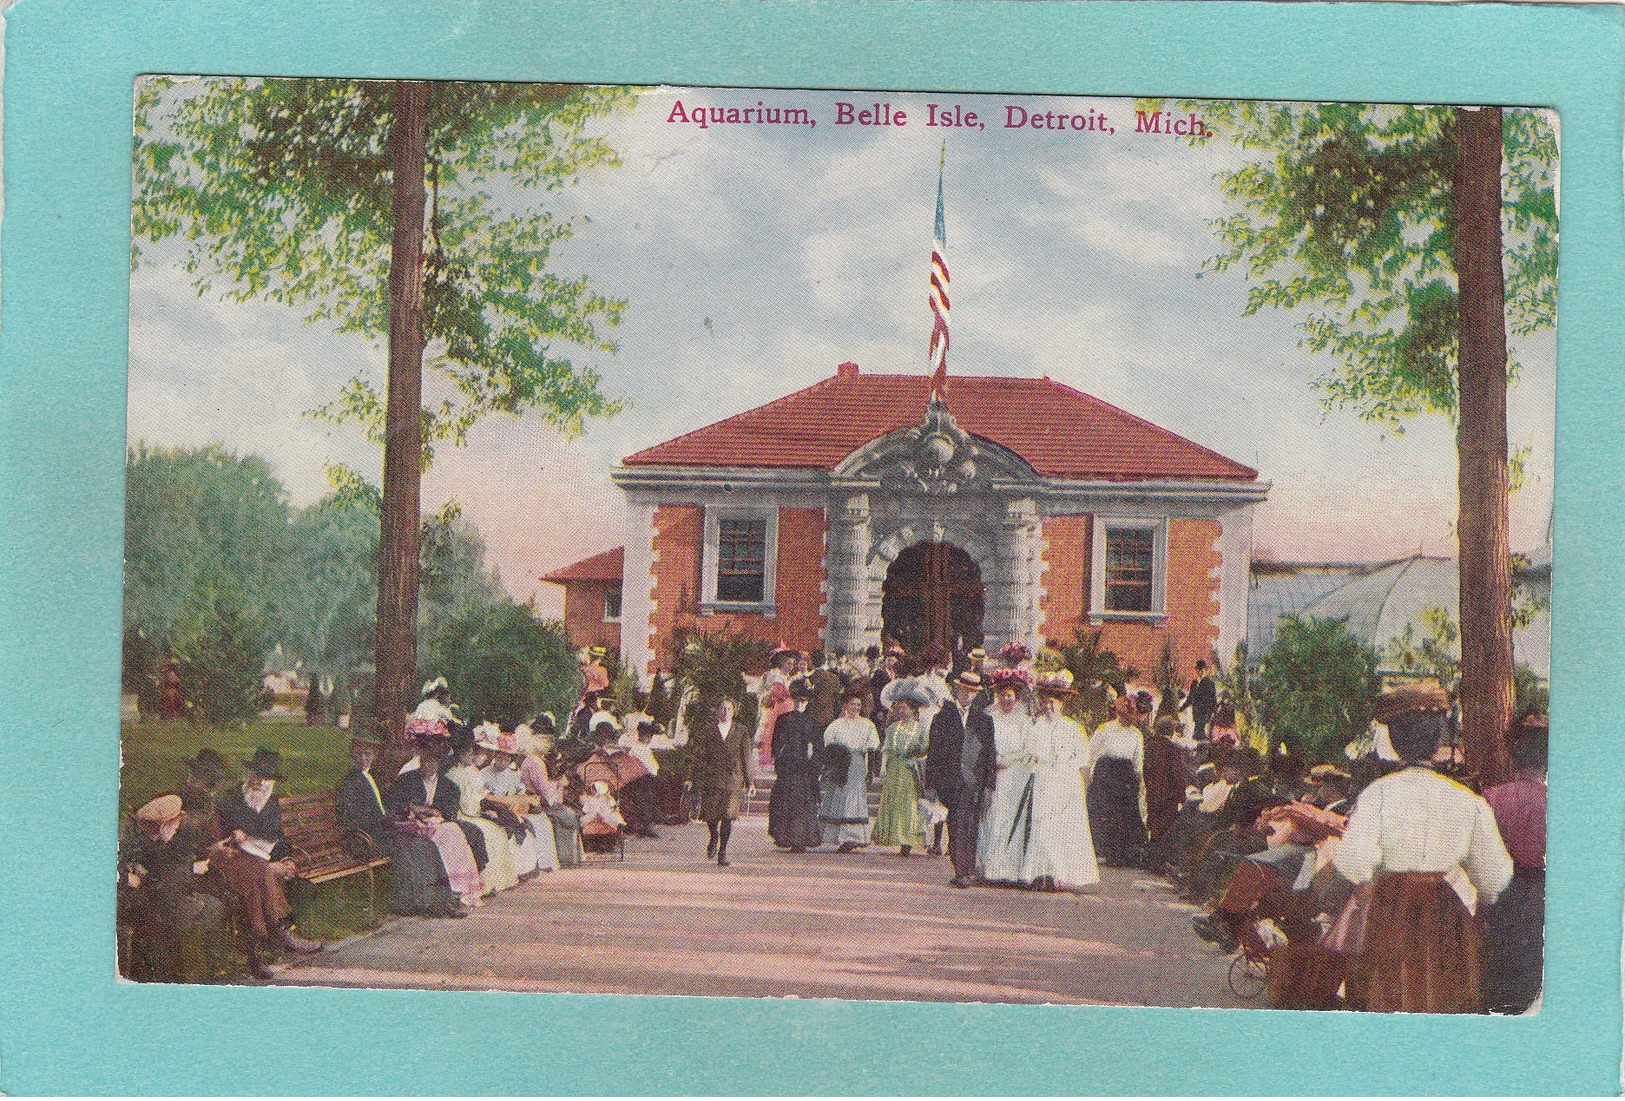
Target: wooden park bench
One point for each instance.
(322, 849)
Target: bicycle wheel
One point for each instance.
(1248, 977)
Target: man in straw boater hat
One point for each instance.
(1409, 834)
(159, 896)
(1515, 938)
(257, 860)
(959, 770)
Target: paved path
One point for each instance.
(868, 925)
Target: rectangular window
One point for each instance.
(1130, 560)
(612, 604)
(741, 560)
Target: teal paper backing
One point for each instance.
(66, 1026)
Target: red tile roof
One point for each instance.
(600, 567)
(1061, 432)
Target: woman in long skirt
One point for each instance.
(1117, 787)
(1409, 833)
(844, 812)
(798, 744)
(1060, 854)
(897, 821)
(1006, 826)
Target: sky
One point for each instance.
(755, 258)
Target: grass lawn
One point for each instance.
(313, 759)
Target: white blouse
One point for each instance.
(1058, 744)
(1420, 821)
(1114, 739)
(854, 734)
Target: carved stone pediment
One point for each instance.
(935, 458)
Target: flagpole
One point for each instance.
(937, 349)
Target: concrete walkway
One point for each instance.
(868, 925)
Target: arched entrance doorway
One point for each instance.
(932, 595)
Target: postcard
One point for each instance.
(854, 553)
(841, 545)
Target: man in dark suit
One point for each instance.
(1203, 699)
(420, 885)
(959, 771)
(258, 860)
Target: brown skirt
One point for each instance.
(1421, 948)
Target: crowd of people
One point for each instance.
(1380, 881)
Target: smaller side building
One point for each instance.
(592, 599)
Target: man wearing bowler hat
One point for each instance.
(257, 860)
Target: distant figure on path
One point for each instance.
(798, 742)
(722, 772)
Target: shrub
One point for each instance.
(1317, 685)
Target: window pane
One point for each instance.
(741, 560)
(612, 604)
(1129, 558)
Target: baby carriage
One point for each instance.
(603, 827)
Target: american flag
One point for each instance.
(938, 298)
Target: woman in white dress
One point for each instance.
(844, 812)
(1059, 854)
(1002, 840)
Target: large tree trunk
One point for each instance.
(396, 641)
(1481, 445)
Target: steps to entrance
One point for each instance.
(764, 791)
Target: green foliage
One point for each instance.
(1094, 669)
(192, 511)
(220, 646)
(1317, 685)
(1529, 692)
(1434, 651)
(1345, 211)
(503, 663)
(282, 190)
(714, 667)
(330, 587)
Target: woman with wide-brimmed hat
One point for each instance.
(897, 820)
(1411, 835)
(1059, 853)
(1002, 840)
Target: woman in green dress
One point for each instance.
(902, 755)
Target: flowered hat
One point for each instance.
(1014, 679)
(1057, 683)
(437, 685)
(1014, 653)
(488, 736)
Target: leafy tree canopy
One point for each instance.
(1316, 686)
(191, 510)
(282, 189)
(1344, 211)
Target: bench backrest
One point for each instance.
(311, 823)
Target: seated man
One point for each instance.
(421, 884)
(159, 895)
(255, 861)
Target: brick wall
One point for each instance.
(679, 534)
(584, 623)
(1192, 594)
